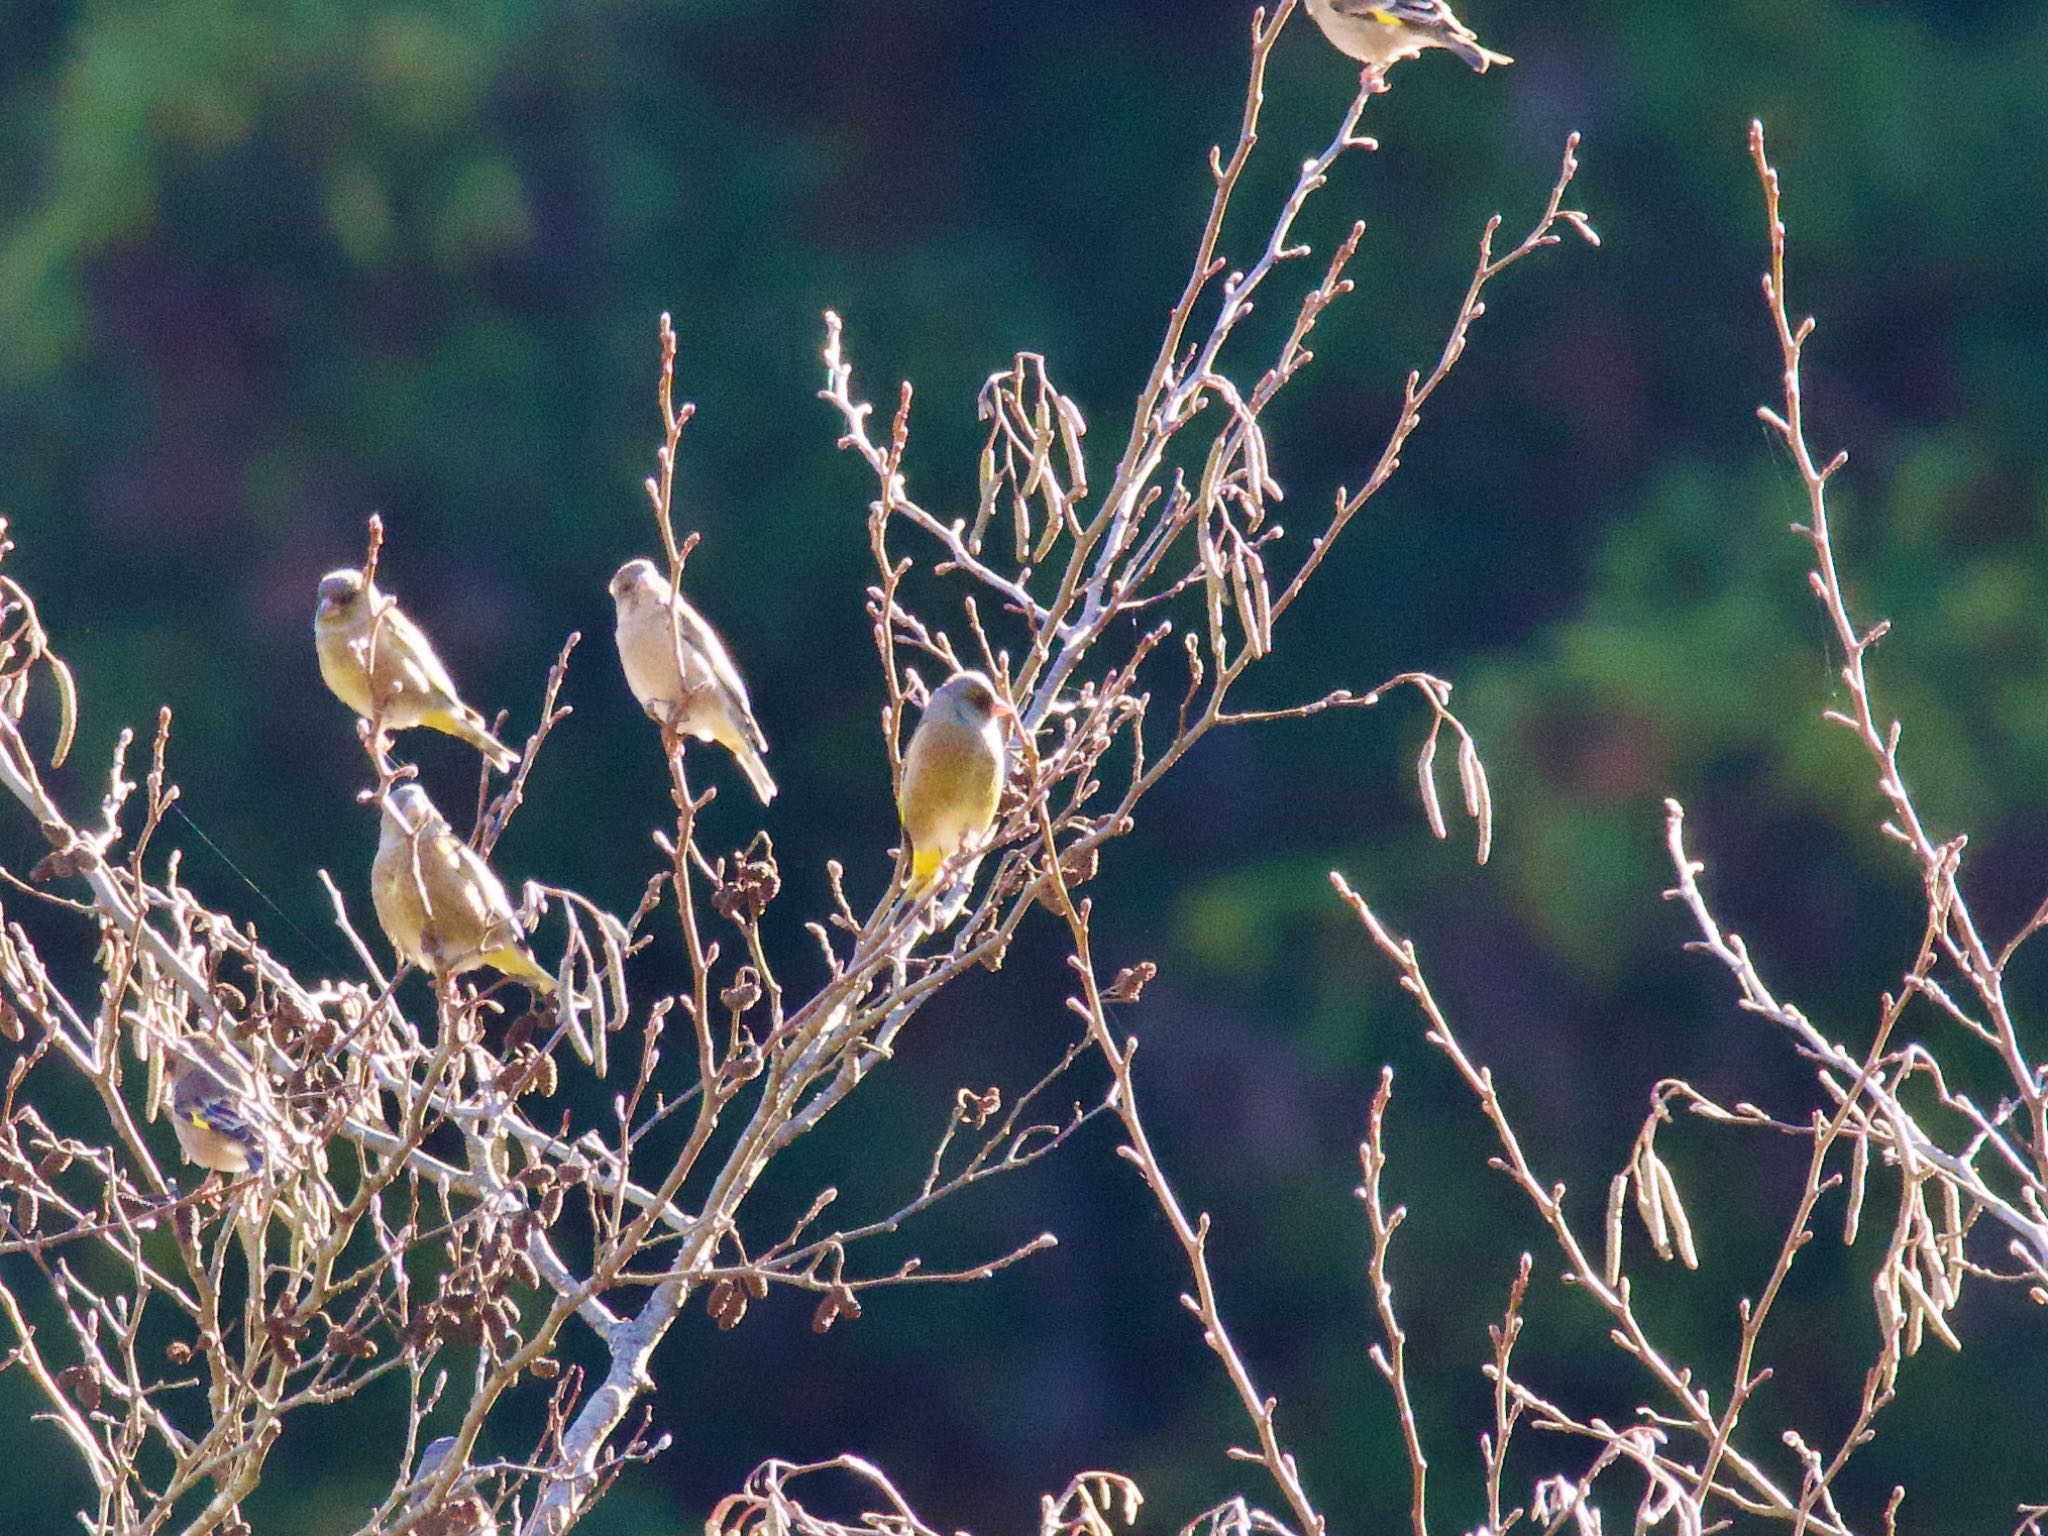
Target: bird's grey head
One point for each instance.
(339, 591)
(407, 805)
(201, 1069)
(968, 697)
(637, 578)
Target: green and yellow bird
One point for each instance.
(952, 781)
(403, 679)
(1380, 33)
(438, 902)
(215, 1110)
(681, 672)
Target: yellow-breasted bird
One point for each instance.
(215, 1110)
(404, 679)
(952, 780)
(437, 900)
(681, 672)
(1379, 33)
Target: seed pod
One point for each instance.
(727, 1304)
(1681, 1228)
(838, 1302)
(1617, 1191)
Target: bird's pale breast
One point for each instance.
(648, 651)
(951, 784)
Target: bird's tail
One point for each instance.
(952, 899)
(1479, 58)
(515, 962)
(756, 770)
(466, 724)
(947, 909)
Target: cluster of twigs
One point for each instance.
(1966, 1183)
(433, 1219)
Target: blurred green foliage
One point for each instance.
(269, 265)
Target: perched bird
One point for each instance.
(404, 678)
(1379, 33)
(952, 780)
(215, 1110)
(681, 672)
(432, 1457)
(464, 1513)
(437, 900)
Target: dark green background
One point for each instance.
(267, 267)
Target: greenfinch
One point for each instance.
(952, 781)
(1379, 33)
(404, 680)
(438, 901)
(215, 1110)
(681, 672)
(464, 1513)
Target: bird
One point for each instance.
(952, 781)
(438, 902)
(464, 1513)
(1380, 33)
(404, 683)
(225, 1122)
(215, 1110)
(681, 672)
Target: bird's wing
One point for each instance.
(496, 918)
(1423, 13)
(413, 654)
(702, 638)
(1430, 13)
(217, 1111)
(220, 1095)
